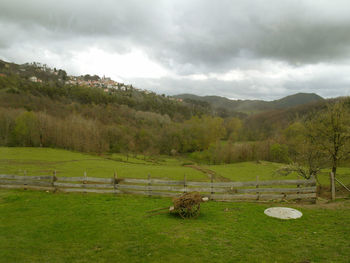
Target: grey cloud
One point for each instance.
(327, 86)
(230, 89)
(190, 37)
(216, 34)
(335, 84)
(196, 36)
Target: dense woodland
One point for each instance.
(87, 119)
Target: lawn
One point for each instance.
(46, 227)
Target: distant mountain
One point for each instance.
(254, 106)
(296, 100)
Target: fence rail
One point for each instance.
(254, 190)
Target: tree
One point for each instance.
(306, 158)
(62, 74)
(25, 132)
(295, 137)
(306, 172)
(279, 153)
(329, 132)
(233, 127)
(199, 133)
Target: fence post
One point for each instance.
(54, 179)
(332, 186)
(211, 186)
(149, 185)
(25, 173)
(257, 186)
(85, 181)
(115, 186)
(185, 186)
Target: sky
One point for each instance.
(242, 49)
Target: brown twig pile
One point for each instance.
(188, 204)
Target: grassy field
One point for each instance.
(248, 171)
(46, 227)
(43, 161)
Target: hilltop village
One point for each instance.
(105, 83)
(38, 72)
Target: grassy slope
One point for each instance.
(248, 171)
(46, 227)
(41, 161)
(343, 174)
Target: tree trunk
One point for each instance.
(332, 186)
(334, 167)
(334, 170)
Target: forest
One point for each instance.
(89, 119)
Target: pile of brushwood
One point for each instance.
(187, 205)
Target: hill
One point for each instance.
(43, 107)
(254, 106)
(39, 80)
(296, 100)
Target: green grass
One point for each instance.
(343, 174)
(248, 171)
(46, 227)
(43, 161)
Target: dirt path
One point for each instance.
(209, 173)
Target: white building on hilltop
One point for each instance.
(33, 79)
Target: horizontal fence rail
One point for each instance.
(254, 190)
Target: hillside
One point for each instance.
(18, 82)
(40, 80)
(43, 107)
(254, 106)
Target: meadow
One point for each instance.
(46, 227)
(44, 161)
(58, 227)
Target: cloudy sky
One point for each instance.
(242, 49)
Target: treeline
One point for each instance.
(102, 129)
(120, 129)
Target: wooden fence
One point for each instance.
(255, 190)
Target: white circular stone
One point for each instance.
(283, 212)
